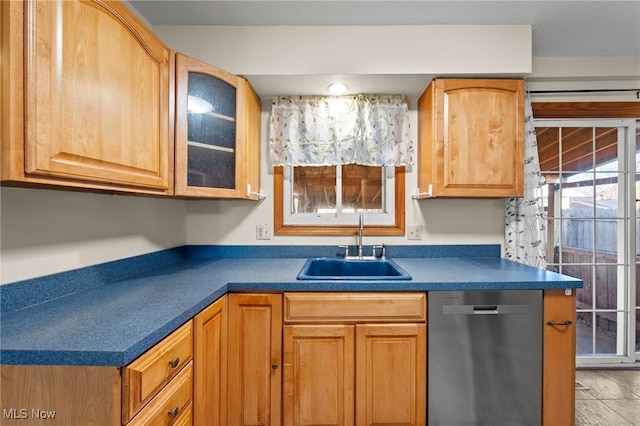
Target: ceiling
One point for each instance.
(560, 28)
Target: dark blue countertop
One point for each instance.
(112, 323)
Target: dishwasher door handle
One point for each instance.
(484, 309)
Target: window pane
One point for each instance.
(578, 194)
(606, 143)
(577, 148)
(552, 253)
(584, 332)
(548, 149)
(606, 283)
(606, 329)
(362, 188)
(550, 194)
(584, 295)
(607, 241)
(577, 240)
(314, 189)
(606, 194)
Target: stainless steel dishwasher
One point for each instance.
(485, 358)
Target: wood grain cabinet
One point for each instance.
(217, 131)
(154, 389)
(210, 364)
(559, 359)
(354, 359)
(85, 98)
(148, 376)
(471, 139)
(254, 361)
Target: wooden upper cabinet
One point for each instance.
(87, 87)
(471, 139)
(217, 132)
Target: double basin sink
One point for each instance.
(327, 268)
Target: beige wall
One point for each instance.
(48, 231)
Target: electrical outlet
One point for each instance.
(414, 232)
(262, 232)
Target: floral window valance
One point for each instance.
(371, 130)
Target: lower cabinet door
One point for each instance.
(391, 374)
(318, 375)
(559, 359)
(255, 350)
(363, 374)
(210, 365)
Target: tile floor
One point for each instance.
(608, 397)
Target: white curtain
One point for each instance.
(525, 222)
(371, 130)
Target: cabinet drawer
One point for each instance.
(172, 406)
(145, 376)
(354, 307)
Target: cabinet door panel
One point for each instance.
(210, 365)
(480, 127)
(558, 374)
(391, 374)
(318, 375)
(471, 135)
(209, 140)
(255, 345)
(96, 95)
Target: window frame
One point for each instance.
(280, 228)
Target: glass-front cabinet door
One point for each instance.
(217, 132)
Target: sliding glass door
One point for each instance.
(590, 168)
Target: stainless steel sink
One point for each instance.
(326, 268)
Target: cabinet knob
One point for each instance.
(274, 365)
(174, 362)
(173, 413)
(553, 323)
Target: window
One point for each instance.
(337, 157)
(591, 181)
(327, 200)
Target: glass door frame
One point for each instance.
(626, 304)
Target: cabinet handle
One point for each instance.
(553, 323)
(174, 362)
(173, 413)
(274, 366)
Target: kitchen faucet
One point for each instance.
(360, 229)
(360, 255)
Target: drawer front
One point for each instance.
(172, 405)
(145, 376)
(355, 307)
